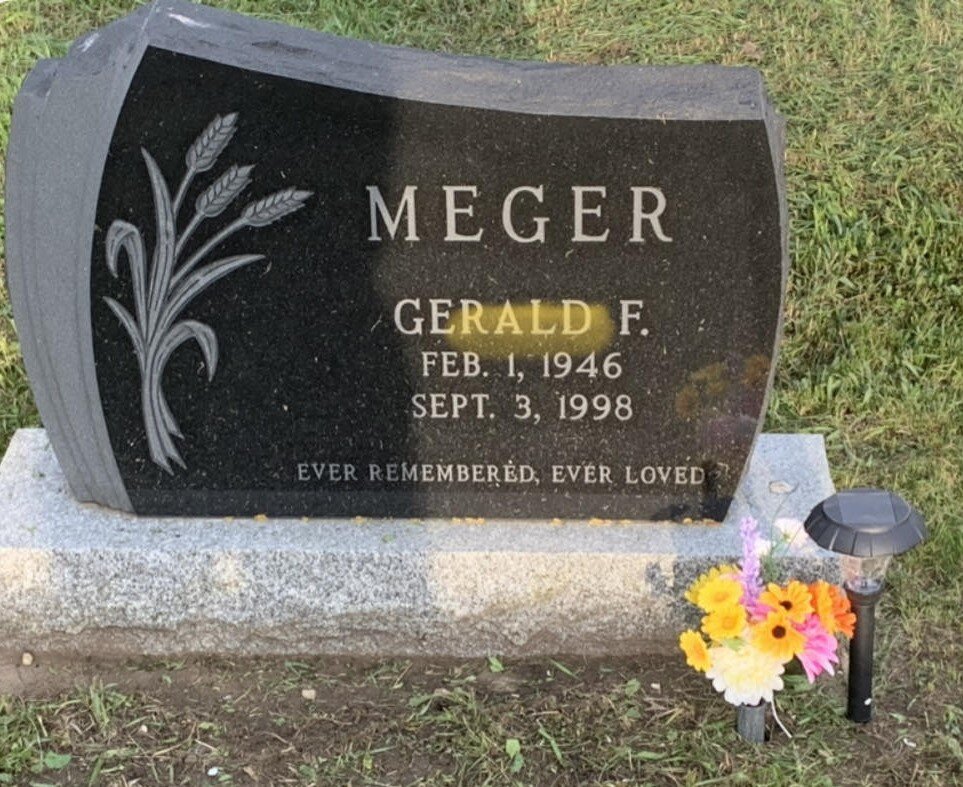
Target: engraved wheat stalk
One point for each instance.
(163, 290)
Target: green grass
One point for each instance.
(637, 722)
(871, 357)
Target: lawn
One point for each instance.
(871, 359)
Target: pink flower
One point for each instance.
(757, 611)
(819, 655)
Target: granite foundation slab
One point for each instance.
(81, 579)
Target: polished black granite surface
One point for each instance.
(335, 389)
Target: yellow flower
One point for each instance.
(794, 599)
(696, 652)
(717, 571)
(719, 592)
(725, 623)
(776, 637)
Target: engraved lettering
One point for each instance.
(406, 209)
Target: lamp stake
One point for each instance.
(860, 705)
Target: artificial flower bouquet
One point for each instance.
(754, 631)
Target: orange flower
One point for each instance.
(823, 605)
(842, 611)
(794, 600)
(775, 636)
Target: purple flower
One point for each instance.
(749, 576)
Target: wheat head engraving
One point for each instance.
(162, 290)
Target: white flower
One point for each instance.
(746, 676)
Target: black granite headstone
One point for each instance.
(262, 270)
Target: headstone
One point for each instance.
(256, 269)
(259, 270)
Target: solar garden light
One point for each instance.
(867, 527)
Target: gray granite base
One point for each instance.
(84, 580)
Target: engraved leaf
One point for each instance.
(222, 191)
(163, 262)
(198, 281)
(170, 451)
(274, 206)
(122, 236)
(131, 325)
(168, 417)
(211, 143)
(184, 331)
(156, 454)
(159, 442)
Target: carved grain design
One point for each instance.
(164, 288)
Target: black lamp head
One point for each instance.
(866, 523)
